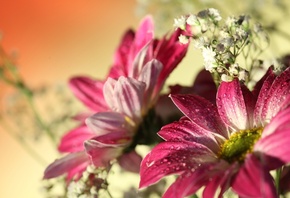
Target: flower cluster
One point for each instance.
(222, 43)
(217, 135)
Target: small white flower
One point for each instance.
(192, 20)
(233, 69)
(214, 13)
(241, 32)
(209, 58)
(226, 78)
(200, 42)
(230, 21)
(180, 23)
(208, 54)
(243, 75)
(183, 39)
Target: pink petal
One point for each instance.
(144, 56)
(130, 161)
(129, 97)
(74, 162)
(90, 92)
(281, 120)
(114, 139)
(73, 141)
(268, 79)
(189, 182)
(169, 52)
(149, 75)
(223, 180)
(101, 154)
(107, 122)
(185, 130)
(275, 145)
(253, 180)
(231, 105)
(144, 34)
(201, 112)
(108, 92)
(172, 158)
(121, 56)
(275, 98)
(204, 86)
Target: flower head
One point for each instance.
(119, 104)
(234, 143)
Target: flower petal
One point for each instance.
(204, 86)
(172, 158)
(189, 182)
(201, 112)
(231, 105)
(186, 130)
(275, 145)
(73, 141)
(281, 120)
(170, 52)
(90, 92)
(101, 154)
(130, 161)
(149, 75)
(129, 96)
(144, 34)
(274, 99)
(75, 162)
(253, 180)
(107, 122)
(121, 56)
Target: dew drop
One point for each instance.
(149, 164)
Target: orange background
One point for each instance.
(54, 40)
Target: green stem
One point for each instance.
(277, 179)
(28, 93)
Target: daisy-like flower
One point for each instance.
(140, 68)
(233, 144)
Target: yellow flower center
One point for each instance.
(239, 144)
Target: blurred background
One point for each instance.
(50, 41)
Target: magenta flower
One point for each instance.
(234, 143)
(140, 69)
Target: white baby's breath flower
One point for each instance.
(200, 42)
(180, 22)
(226, 78)
(214, 13)
(208, 54)
(233, 69)
(209, 58)
(183, 39)
(243, 75)
(241, 32)
(192, 20)
(230, 21)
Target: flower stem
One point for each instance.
(20, 85)
(277, 180)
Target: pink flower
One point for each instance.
(141, 66)
(234, 143)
